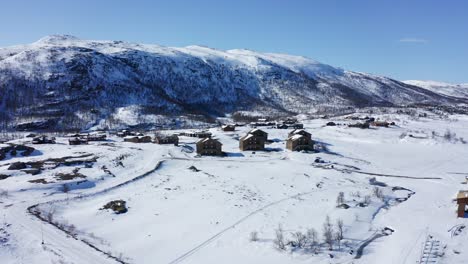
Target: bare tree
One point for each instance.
(378, 193)
(254, 236)
(300, 239)
(336, 237)
(50, 214)
(340, 199)
(449, 135)
(4, 193)
(312, 238)
(328, 233)
(367, 199)
(65, 188)
(339, 231)
(279, 240)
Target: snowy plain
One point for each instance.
(181, 215)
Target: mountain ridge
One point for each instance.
(79, 82)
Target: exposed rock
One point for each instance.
(32, 171)
(118, 206)
(42, 181)
(343, 206)
(17, 166)
(193, 168)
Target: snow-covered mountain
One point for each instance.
(457, 90)
(74, 82)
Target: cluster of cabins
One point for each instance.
(84, 138)
(255, 139)
(283, 124)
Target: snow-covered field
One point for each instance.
(188, 209)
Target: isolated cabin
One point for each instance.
(43, 140)
(360, 125)
(380, 123)
(297, 126)
(197, 134)
(164, 139)
(299, 142)
(462, 201)
(259, 133)
(209, 146)
(125, 133)
(77, 141)
(300, 132)
(96, 137)
(137, 139)
(226, 128)
(290, 121)
(252, 142)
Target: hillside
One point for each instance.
(61, 81)
(456, 90)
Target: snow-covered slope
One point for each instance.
(457, 90)
(75, 82)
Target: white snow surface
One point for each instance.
(178, 215)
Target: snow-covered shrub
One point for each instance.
(328, 232)
(279, 238)
(300, 240)
(254, 236)
(340, 199)
(450, 136)
(312, 238)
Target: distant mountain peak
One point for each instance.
(57, 39)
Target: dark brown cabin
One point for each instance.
(299, 142)
(252, 142)
(462, 201)
(164, 139)
(209, 146)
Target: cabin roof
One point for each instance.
(296, 137)
(462, 195)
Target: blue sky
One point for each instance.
(403, 39)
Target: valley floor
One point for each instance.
(188, 209)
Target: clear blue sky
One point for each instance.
(404, 39)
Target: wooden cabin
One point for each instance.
(360, 125)
(259, 133)
(125, 133)
(137, 139)
(227, 128)
(300, 132)
(380, 124)
(462, 201)
(197, 134)
(164, 139)
(252, 142)
(209, 146)
(97, 137)
(43, 140)
(77, 141)
(299, 142)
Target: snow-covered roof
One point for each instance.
(248, 136)
(462, 195)
(296, 137)
(256, 130)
